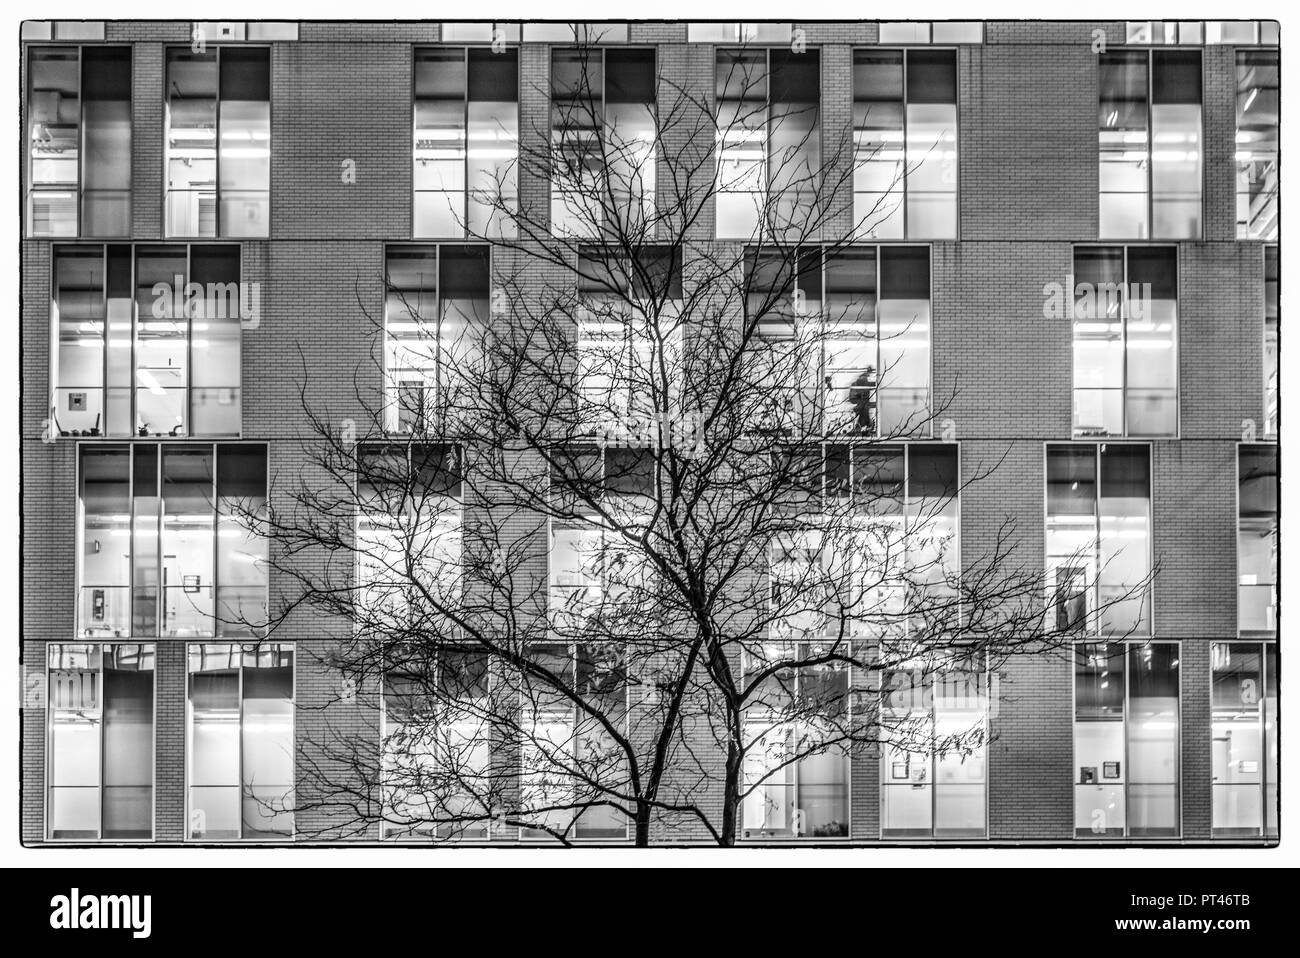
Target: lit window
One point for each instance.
(140, 352)
(218, 142)
(1245, 759)
(1257, 144)
(168, 540)
(239, 743)
(568, 748)
(934, 761)
(796, 776)
(1099, 538)
(1126, 740)
(99, 757)
(1125, 341)
(843, 339)
(466, 146)
(602, 142)
(409, 537)
(1257, 519)
(437, 306)
(437, 747)
(768, 142)
(628, 335)
(1150, 144)
(905, 133)
(79, 139)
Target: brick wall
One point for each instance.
(1001, 371)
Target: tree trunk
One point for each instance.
(642, 823)
(730, 796)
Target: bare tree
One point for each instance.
(649, 527)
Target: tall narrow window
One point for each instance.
(603, 140)
(866, 368)
(933, 769)
(79, 140)
(100, 750)
(409, 530)
(1257, 144)
(436, 311)
(1126, 341)
(239, 742)
(594, 569)
(768, 142)
(170, 545)
(437, 748)
(140, 352)
(1150, 144)
(466, 178)
(1272, 313)
(1126, 740)
(905, 134)
(1257, 485)
(796, 780)
(1244, 684)
(570, 762)
(1099, 538)
(628, 333)
(218, 142)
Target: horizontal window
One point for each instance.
(169, 542)
(149, 340)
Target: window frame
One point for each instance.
(1127, 644)
(244, 648)
(131, 638)
(845, 757)
(985, 679)
(218, 235)
(25, 174)
(906, 50)
(135, 246)
(923, 431)
(47, 786)
(430, 408)
(1149, 50)
(1093, 634)
(1125, 435)
(1266, 648)
(761, 231)
(555, 195)
(465, 236)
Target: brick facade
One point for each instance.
(1028, 185)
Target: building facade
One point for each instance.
(293, 174)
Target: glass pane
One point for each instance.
(191, 145)
(241, 548)
(188, 541)
(213, 746)
(128, 741)
(1152, 327)
(54, 118)
(1124, 143)
(215, 342)
(267, 741)
(106, 193)
(105, 573)
(1257, 144)
(1153, 739)
(79, 314)
(1238, 739)
(1124, 512)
